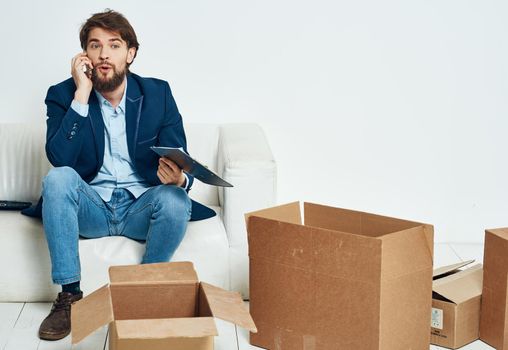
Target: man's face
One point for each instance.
(109, 55)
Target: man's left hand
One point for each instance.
(170, 173)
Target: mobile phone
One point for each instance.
(13, 205)
(87, 69)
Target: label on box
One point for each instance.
(437, 318)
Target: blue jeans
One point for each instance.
(72, 208)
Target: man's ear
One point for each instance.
(130, 55)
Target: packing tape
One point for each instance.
(309, 342)
(278, 340)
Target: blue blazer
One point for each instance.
(152, 118)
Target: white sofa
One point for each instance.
(217, 246)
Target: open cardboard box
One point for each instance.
(494, 314)
(342, 279)
(157, 306)
(456, 300)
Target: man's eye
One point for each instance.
(115, 46)
(94, 46)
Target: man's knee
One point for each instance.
(174, 201)
(59, 179)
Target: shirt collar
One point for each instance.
(103, 101)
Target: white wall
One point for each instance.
(393, 107)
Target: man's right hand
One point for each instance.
(82, 81)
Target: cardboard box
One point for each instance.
(157, 306)
(494, 314)
(456, 300)
(342, 280)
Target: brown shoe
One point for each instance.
(58, 323)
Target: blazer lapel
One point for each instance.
(97, 123)
(133, 105)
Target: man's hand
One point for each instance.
(170, 173)
(82, 81)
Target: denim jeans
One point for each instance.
(72, 208)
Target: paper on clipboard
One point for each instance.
(191, 166)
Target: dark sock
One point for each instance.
(72, 288)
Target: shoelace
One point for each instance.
(62, 303)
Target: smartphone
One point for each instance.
(87, 69)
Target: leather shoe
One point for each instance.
(58, 323)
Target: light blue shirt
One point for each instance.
(117, 170)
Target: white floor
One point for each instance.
(19, 322)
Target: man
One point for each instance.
(106, 180)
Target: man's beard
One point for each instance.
(110, 84)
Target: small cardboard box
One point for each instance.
(157, 306)
(494, 315)
(343, 279)
(456, 300)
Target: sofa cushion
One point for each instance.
(26, 272)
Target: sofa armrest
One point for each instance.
(246, 161)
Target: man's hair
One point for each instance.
(112, 21)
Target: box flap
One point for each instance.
(331, 218)
(500, 232)
(341, 255)
(460, 286)
(495, 260)
(449, 268)
(281, 242)
(160, 273)
(286, 213)
(190, 327)
(408, 252)
(91, 313)
(352, 221)
(228, 306)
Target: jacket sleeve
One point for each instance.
(63, 138)
(172, 133)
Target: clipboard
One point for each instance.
(191, 166)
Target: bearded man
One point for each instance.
(106, 180)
